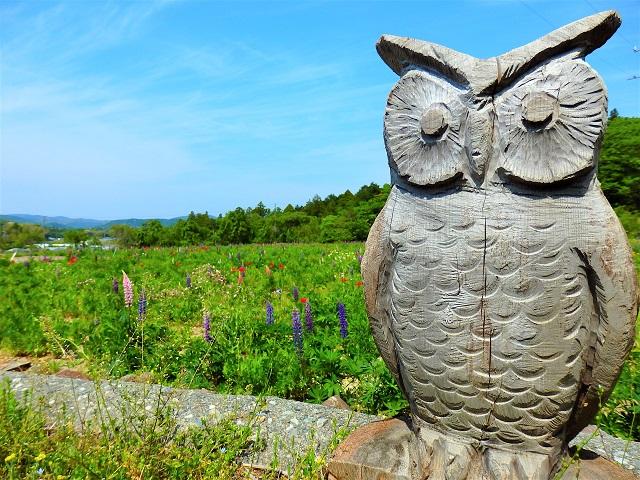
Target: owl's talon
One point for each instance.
(448, 459)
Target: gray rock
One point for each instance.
(336, 402)
(288, 429)
(273, 417)
(624, 452)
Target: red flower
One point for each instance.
(359, 283)
(281, 266)
(304, 300)
(271, 265)
(344, 279)
(72, 260)
(242, 269)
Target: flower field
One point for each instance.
(282, 320)
(277, 320)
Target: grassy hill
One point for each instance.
(619, 170)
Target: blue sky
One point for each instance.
(153, 109)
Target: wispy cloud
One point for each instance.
(187, 112)
(62, 33)
(158, 108)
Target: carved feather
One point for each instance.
(375, 274)
(488, 324)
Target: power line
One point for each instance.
(546, 20)
(619, 33)
(539, 15)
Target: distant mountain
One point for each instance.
(57, 222)
(66, 222)
(137, 222)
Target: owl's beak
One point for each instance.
(478, 162)
(479, 139)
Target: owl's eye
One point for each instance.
(424, 129)
(434, 121)
(539, 111)
(550, 122)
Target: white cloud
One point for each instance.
(188, 127)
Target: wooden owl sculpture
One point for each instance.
(499, 281)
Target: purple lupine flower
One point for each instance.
(342, 316)
(297, 330)
(358, 256)
(308, 316)
(206, 326)
(127, 289)
(115, 285)
(269, 310)
(188, 281)
(142, 306)
(295, 293)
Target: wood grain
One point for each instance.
(498, 280)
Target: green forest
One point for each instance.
(344, 217)
(348, 216)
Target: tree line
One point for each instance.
(344, 217)
(348, 217)
(336, 218)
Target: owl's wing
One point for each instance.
(375, 274)
(612, 281)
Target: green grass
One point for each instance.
(130, 449)
(67, 314)
(141, 444)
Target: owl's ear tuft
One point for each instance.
(402, 53)
(580, 37)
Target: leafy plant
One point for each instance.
(69, 313)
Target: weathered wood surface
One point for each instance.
(15, 365)
(387, 449)
(498, 280)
